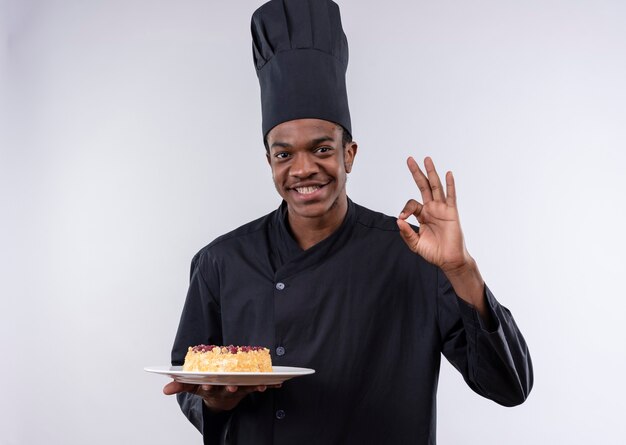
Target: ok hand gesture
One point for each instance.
(440, 239)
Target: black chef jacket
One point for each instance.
(370, 316)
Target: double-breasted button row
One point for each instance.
(280, 351)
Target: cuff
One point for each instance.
(472, 318)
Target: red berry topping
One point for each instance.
(230, 349)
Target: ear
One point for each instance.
(349, 153)
(267, 157)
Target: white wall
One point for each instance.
(135, 139)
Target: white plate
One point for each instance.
(278, 375)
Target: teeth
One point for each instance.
(307, 190)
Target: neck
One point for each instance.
(308, 231)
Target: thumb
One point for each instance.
(410, 237)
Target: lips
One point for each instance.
(307, 190)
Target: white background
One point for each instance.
(130, 137)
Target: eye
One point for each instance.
(281, 155)
(324, 149)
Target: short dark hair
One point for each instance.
(346, 138)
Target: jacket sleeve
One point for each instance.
(494, 360)
(200, 323)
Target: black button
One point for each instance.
(280, 351)
(280, 286)
(280, 414)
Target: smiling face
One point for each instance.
(309, 167)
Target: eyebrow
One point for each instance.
(313, 142)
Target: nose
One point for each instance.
(303, 166)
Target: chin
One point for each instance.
(310, 211)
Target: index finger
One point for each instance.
(420, 180)
(175, 387)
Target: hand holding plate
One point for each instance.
(216, 397)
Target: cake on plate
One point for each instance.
(211, 358)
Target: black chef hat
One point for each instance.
(301, 57)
